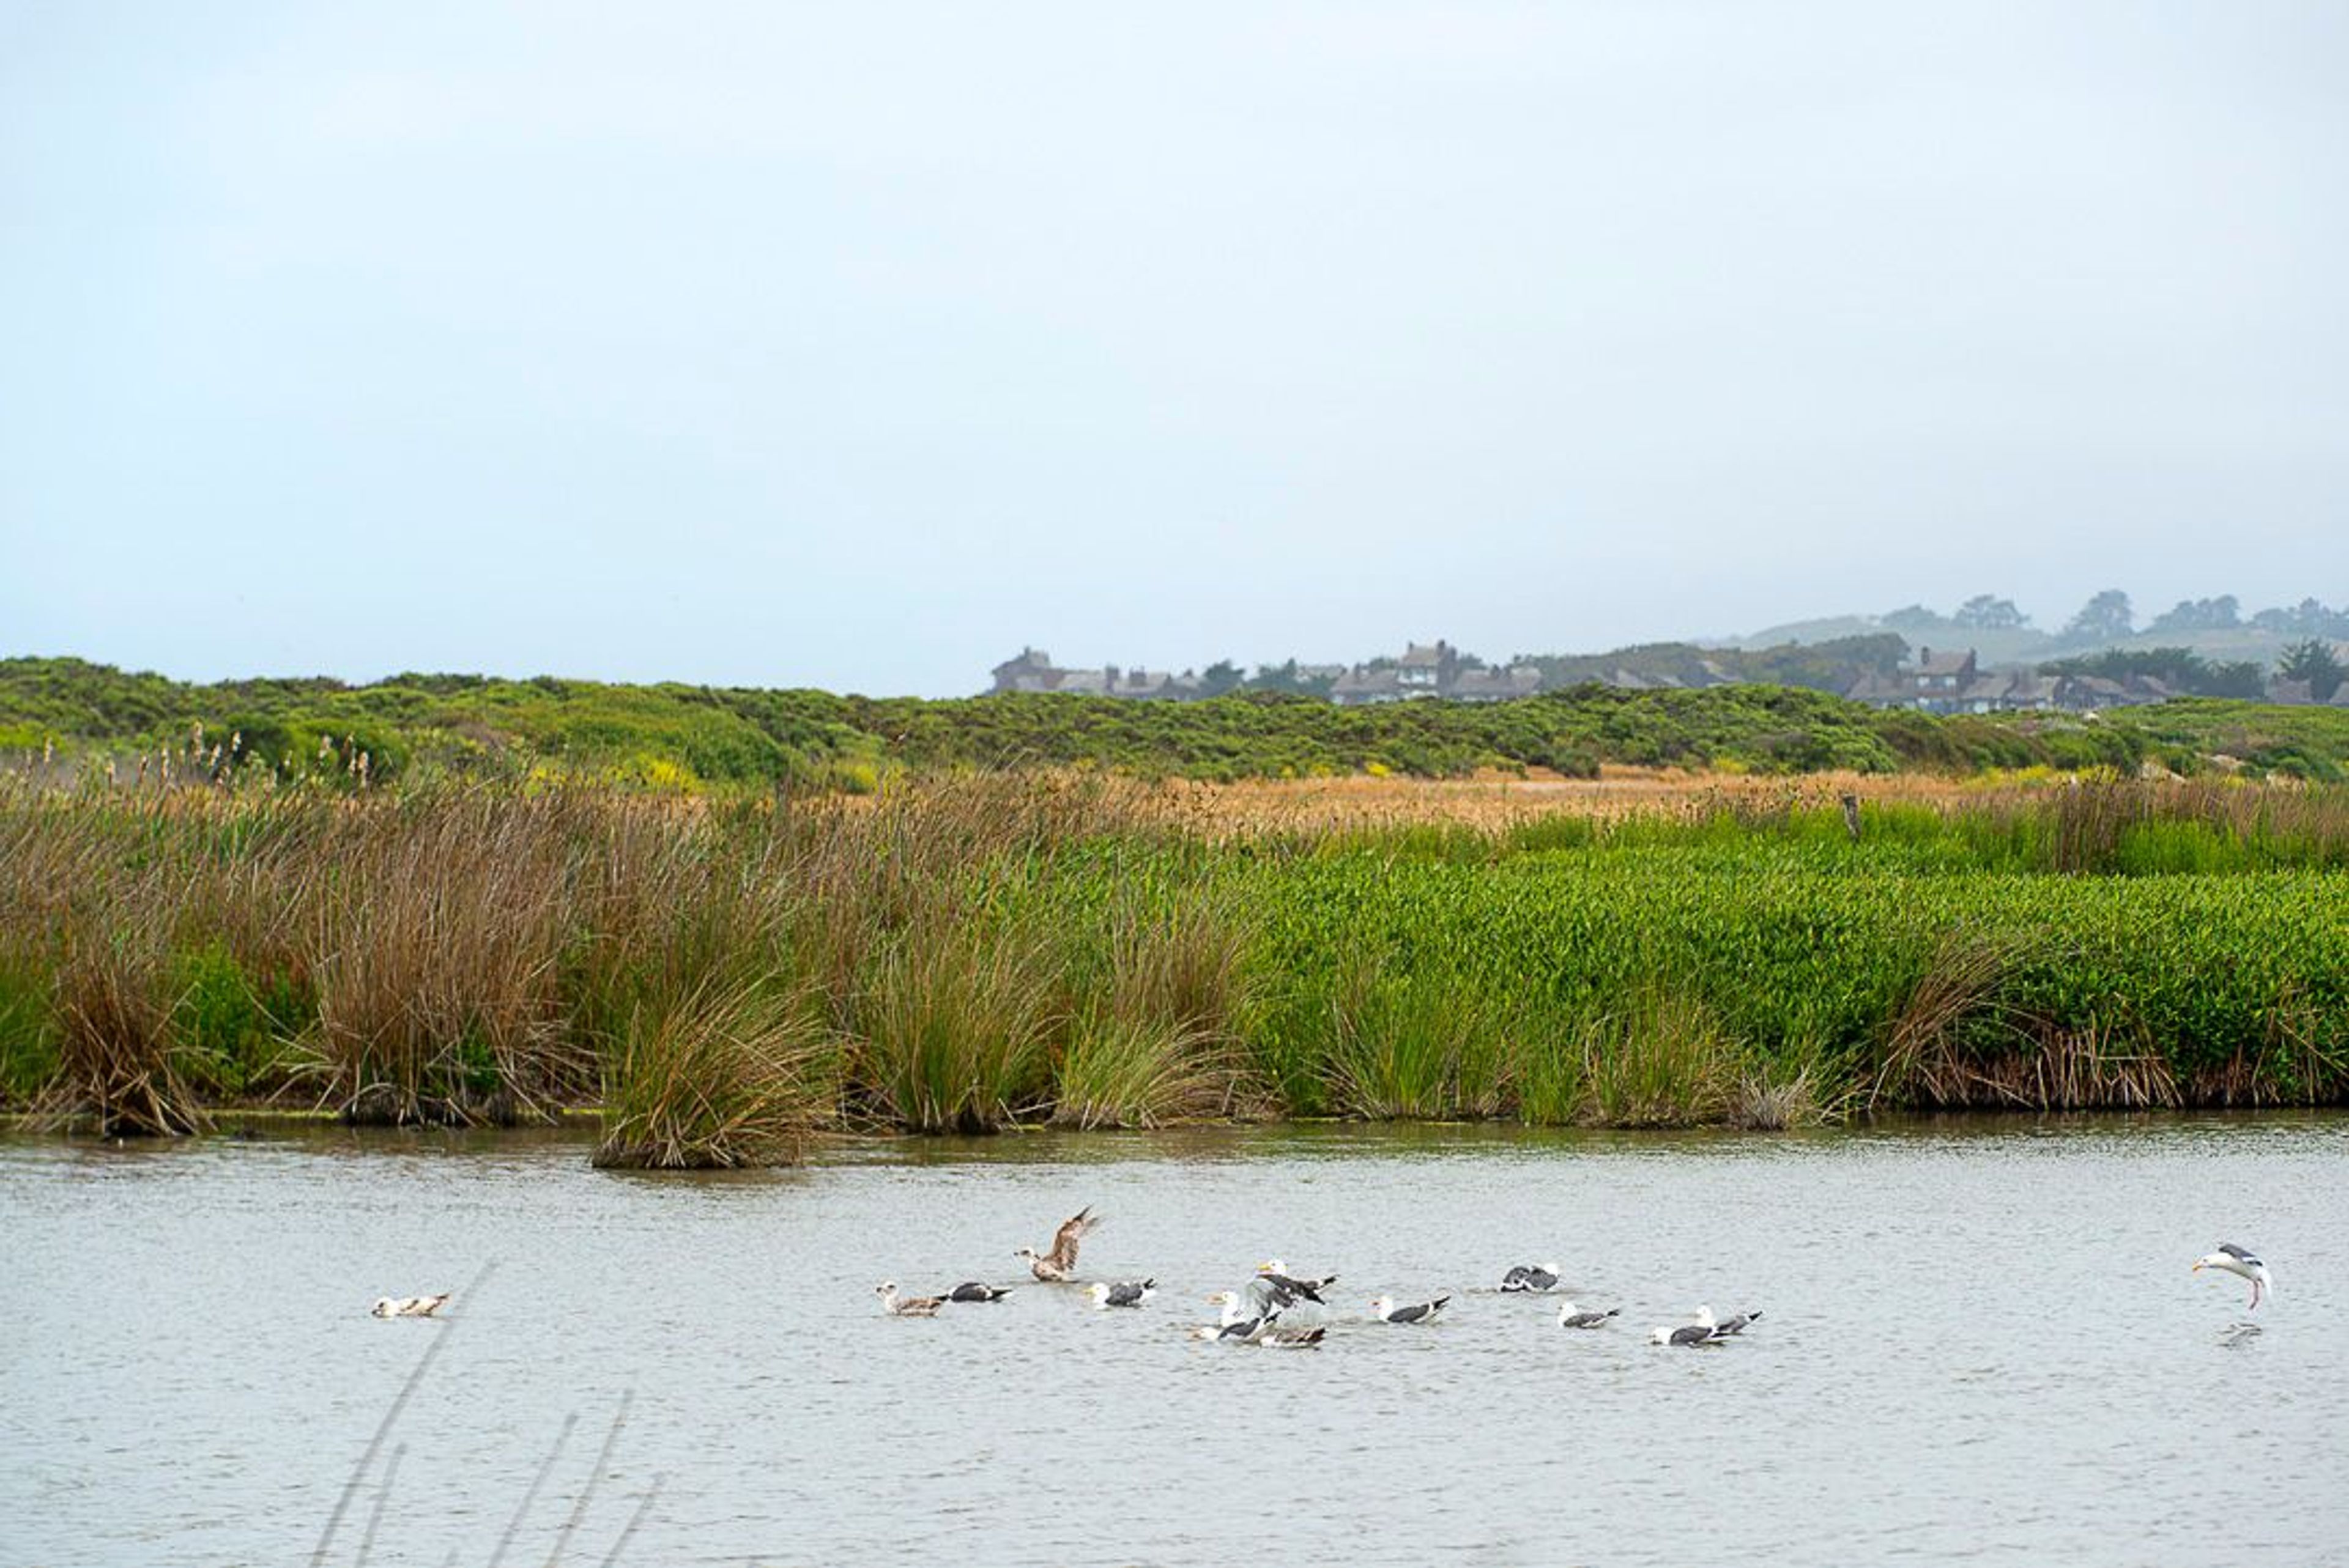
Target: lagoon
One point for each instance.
(1980, 1343)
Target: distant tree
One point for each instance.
(2313, 661)
(2309, 618)
(2199, 615)
(1915, 618)
(1276, 678)
(2234, 678)
(1984, 613)
(2180, 668)
(2104, 619)
(1219, 678)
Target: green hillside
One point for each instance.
(686, 737)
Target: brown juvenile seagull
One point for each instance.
(897, 1305)
(1058, 1264)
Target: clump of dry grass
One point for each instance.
(724, 1073)
(116, 1046)
(1921, 1062)
(438, 943)
(1158, 1040)
(952, 1029)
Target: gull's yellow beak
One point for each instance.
(2197, 1268)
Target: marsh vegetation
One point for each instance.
(725, 979)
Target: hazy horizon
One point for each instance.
(778, 347)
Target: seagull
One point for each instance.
(1123, 1294)
(1733, 1325)
(1527, 1277)
(1284, 1290)
(2235, 1260)
(1058, 1264)
(1572, 1316)
(973, 1291)
(1236, 1322)
(1387, 1311)
(897, 1305)
(406, 1306)
(1690, 1334)
(1291, 1338)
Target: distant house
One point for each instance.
(1031, 671)
(1948, 683)
(1361, 685)
(1034, 671)
(1432, 670)
(1496, 685)
(1424, 670)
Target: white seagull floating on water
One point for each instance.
(1125, 1294)
(406, 1306)
(1689, 1334)
(1423, 1312)
(1236, 1322)
(1726, 1326)
(1572, 1316)
(1530, 1278)
(2234, 1260)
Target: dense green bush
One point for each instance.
(696, 736)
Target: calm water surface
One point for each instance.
(1980, 1344)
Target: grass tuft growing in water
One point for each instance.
(724, 1074)
(954, 1029)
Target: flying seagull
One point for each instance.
(897, 1305)
(406, 1306)
(1386, 1310)
(1058, 1264)
(971, 1290)
(1127, 1293)
(1572, 1316)
(1528, 1277)
(2235, 1260)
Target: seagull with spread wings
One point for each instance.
(1058, 1265)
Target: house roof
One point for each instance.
(1360, 682)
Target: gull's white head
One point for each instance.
(1567, 1309)
(887, 1287)
(1659, 1335)
(1098, 1290)
(1223, 1298)
(1702, 1318)
(1272, 1266)
(2250, 1268)
(1382, 1304)
(383, 1307)
(1028, 1253)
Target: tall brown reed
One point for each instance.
(724, 1074)
(439, 945)
(116, 1047)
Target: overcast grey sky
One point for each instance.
(858, 344)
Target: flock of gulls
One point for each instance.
(1251, 1315)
